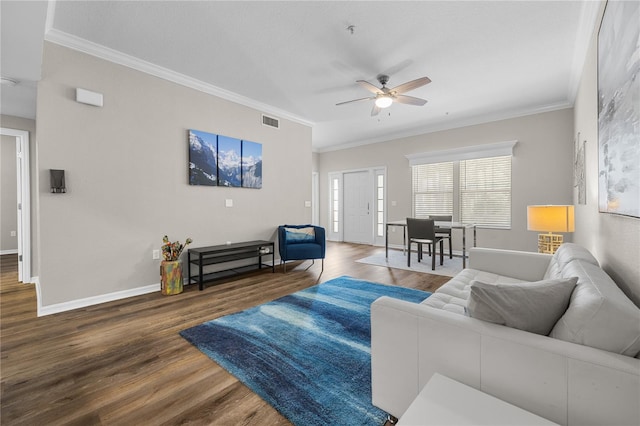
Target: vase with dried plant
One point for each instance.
(171, 266)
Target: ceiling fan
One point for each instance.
(384, 96)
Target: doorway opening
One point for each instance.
(23, 201)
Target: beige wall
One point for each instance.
(126, 167)
(26, 124)
(613, 239)
(9, 199)
(541, 169)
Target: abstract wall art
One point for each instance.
(619, 109)
(217, 160)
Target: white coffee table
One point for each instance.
(444, 401)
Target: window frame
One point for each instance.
(456, 156)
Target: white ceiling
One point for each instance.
(22, 26)
(296, 59)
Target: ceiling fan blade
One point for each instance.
(410, 85)
(376, 109)
(355, 100)
(409, 100)
(370, 87)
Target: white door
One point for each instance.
(358, 203)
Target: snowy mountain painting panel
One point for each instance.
(251, 164)
(229, 155)
(203, 158)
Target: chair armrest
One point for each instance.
(321, 239)
(523, 265)
(282, 245)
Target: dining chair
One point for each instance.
(444, 233)
(422, 231)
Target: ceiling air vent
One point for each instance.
(270, 121)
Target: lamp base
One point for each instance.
(549, 243)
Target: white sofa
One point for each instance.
(577, 375)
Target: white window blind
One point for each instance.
(485, 191)
(432, 189)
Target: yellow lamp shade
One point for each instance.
(550, 218)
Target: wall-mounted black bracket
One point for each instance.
(57, 181)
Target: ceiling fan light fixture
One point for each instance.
(383, 101)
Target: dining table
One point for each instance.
(438, 224)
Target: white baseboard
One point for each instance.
(96, 300)
(11, 251)
(93, 300)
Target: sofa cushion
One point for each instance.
(599, 314)
(453, 295)
(565, 254)
(300, 235)
(529, 306)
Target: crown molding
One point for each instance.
(81, 45)
(590, 13)
(50, 18)
(449, 125)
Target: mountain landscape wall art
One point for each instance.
(217, 160)
(203, 158)
(251, 164)
(229, 152)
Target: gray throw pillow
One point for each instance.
(529, 306)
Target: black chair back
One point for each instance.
(442, 219)
(423, 229)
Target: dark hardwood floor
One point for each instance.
(124, 363)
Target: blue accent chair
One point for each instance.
(300, 246)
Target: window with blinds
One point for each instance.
(485, 191)
(482, 187)
(432, 189)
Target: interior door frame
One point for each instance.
(24, 201)
(315, 198)
(373, 172)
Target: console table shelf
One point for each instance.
(223, 253)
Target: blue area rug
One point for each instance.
(307, 354)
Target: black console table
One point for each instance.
(223, 253)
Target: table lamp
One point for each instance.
(550, 219)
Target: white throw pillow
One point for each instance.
(530, 306)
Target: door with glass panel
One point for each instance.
(357, 206)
